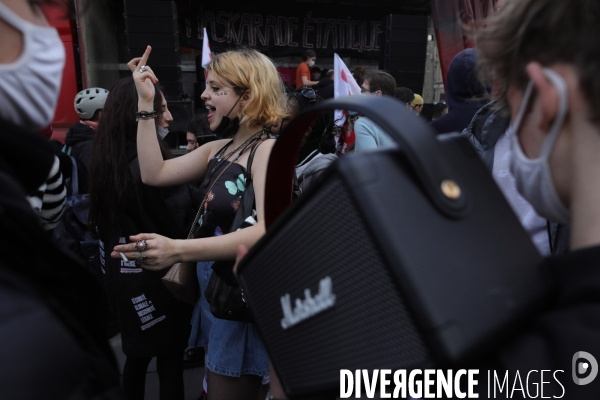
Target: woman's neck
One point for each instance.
(244, 133)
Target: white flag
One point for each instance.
(344, 84)
(206, 53)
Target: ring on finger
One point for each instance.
(141, 245)
(143, 68)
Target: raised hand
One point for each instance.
(143, 77)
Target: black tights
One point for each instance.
(170, 376)
(246, 387)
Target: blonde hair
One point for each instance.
(248, 70)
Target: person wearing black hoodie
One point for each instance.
(464, 92)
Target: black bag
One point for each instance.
(223, 292)
(402, 258)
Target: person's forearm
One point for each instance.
(219, 247)
(149, 155)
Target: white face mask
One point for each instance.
(162, 132)
(29, 86)
(533, 177)
(311, 63)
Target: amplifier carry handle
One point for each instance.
(415, 138)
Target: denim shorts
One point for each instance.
(234, 348)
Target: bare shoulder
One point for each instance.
(261, 157)
(264, 148)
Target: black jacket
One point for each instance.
(52, 312)
(325, 88)
(549, 341)
(486, 127)
(463, 88)
(152, 322)
(81, 139)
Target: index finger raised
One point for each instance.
(144, 59)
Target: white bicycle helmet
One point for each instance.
(89, 100)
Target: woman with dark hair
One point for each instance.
(318, 144)
(152, 322)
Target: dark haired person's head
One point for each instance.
(359, 74)
(439, 109)
(198, 126)
(114, 145)
(315, 73)
(405, 95)
(309, 55)
(379, 83)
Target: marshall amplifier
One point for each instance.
(400, 259)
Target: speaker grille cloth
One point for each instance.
(368, 327)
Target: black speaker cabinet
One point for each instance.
(365, 271)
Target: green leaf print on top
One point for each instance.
(238, 185)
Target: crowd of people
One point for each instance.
(533, 123)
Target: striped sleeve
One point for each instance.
(49, 201)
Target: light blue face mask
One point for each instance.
(533, 177)
(162, 132)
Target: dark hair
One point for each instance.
(383, 81)
(546, 31)
(199, 125)
(321, 135)
(325, 71)
(108, 162)
(438, 109)
(405, 95)
(315, 69)
(330, 73)
(359, 74)
(307, 54)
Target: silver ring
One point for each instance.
(143, 69)
(141, 245)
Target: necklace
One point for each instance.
(220, 158)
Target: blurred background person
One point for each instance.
(359, 74)
(315, 73)
(417, 104)
(198, 126)
(368, 134)
(325, 86)
(405, 95)
(80, 137)
(303, 75)
(440, 108)
(464, 93)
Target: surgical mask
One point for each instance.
(30, 85)
(311, 63)
(533, 177)
(228, 127)
(162, 132)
